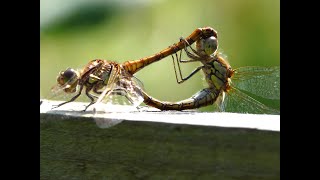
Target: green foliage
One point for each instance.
(81, 19)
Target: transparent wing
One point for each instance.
(237, 101)
(122, 89)
(107, 90)
(123, 99)
(57, 93)
(137, 82)
(261, 81)
(110, 85)
(132, 86)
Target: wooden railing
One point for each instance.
(157, 145)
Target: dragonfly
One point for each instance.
(225, 85)
(98, 77)
(104, 78)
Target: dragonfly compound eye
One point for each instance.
(207, 46)
(68, 80)
(67, 76)
(69, 73)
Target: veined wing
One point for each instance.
(121, 89)
(237, 101)
(261, 81)
(133, 88)
(115, 104)
(126, 92)
(113, 78)
(57, 93)
(137, 82)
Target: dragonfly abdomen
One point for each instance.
(135, 65)
(202, 98)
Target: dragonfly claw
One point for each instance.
(54, 106)
(85, 109)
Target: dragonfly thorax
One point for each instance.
(96, 74)
(218, 73)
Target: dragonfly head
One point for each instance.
(68, 80)
(209, 31)
(207, 46)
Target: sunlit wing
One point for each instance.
(122, 89)
(137, 82)
(109, 87)
(125, 92)
(57, 93)
(261, 81)
(132, 87)
(237, 101)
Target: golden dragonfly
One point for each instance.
(102, 78)
(225, 85)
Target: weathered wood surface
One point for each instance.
(72, 146)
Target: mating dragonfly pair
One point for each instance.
(102, 79)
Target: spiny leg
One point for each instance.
(180, 72)
(174, 65)
(189, 76)
(179, 59)
(91, 97)
(192, 56)
(72, 99)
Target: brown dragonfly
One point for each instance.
(225, 85)
(102, 78)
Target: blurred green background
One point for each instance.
(73, 32)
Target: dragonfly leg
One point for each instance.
(180, 73)
(179, 69)
(193, 57)
(95, 95)
(91, 97)
(196, 57)
(174, 64)
(72, 99)
(95, 90)
(174, 67)
(190, 75)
